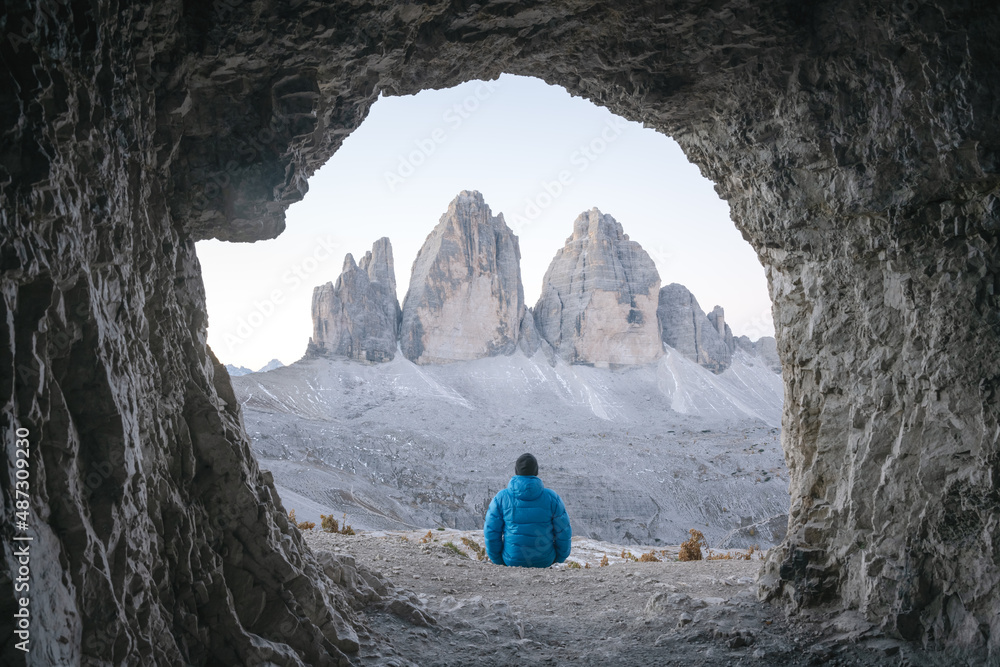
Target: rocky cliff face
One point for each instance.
(465, 299)
(855, 142)
(687, 329)
(599, 297)
(358, 318)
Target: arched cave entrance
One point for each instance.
(855, 142)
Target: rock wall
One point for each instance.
(465, 299)
(599, 297)
(687, 329)
(359, 317)
(856, 143)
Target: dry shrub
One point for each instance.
(478, 550)
(691, 550)
(628, 557)
(427, 538)
(572, 565)
(330, 525)
(586, 566)
(604, 561)
(305, 525)
(648, 558)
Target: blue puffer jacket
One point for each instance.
(527, 525)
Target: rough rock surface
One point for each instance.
(358, 317)
(856, 143)
(599, 296)
(687, 329)
(465, 299)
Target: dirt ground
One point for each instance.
(626, 613)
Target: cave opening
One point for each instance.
(542, 158)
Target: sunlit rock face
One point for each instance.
(687, 329)
(465, 299)
(358, 317)
(857, 146)
(599, 296)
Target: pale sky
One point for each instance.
(538, 155)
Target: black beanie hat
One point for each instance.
(526, 465)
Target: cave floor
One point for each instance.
(628, 613)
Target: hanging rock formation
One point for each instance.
(358, 317)
(599, 297)
(687, 329)
(465, 299)
(856, 143)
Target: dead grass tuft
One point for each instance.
(691, 550)
(572, 565)
(738, 555)
(478, 550)
(604, 561)
(427, 538)
(454, 547)
(649, 558)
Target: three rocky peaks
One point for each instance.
(601, 302)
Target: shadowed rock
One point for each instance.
(465, 299)
(599, 296)
(687, 329)
(358, 317)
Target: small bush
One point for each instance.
(586, 566)
(572, 565)
(604, 561)
(427, 538)
(648, 558)
(691, 550)
(345, 529)
(476, 549)
(628, 557)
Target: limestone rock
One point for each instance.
(358, 317)
(599, 297)
(465, 299)
(764, 348)
(687, 329)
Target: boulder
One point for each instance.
(465, 299)
(599, 297)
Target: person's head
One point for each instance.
(526, 465)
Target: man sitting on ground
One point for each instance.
(527, 524)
